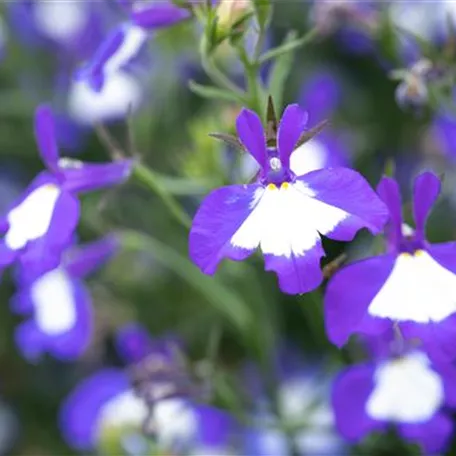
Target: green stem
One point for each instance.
(215, 74)
(288, 47)
(149, 179)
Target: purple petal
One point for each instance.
(346, 189)
(447, 373)
(94, 70)
(46, 136)
(159, 15)
(88, 258)
(437, 338)
(445, 254)
(134, 343)
(298, 273)
(389, 192)
(351, 391)
(349, 294)
(291, 126)
(320, 95)
(425, 192)
(214, 427)
(433, 435)
(220, 215)
(251, 134)
(79, 414)
(89, 177)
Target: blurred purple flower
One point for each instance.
(107, 401)
(58, 303)
(72, 27)
(282, 212)
(400, 386)
(42, 222)
(152, 15)
(413, 284)
(302, 401)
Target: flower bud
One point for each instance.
(229, 13)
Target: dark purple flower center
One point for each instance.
(410, 244)
(276, 173)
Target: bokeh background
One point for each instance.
(343, 75)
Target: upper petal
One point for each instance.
(347, 203)
(219, 217)
(133, 343)
(46, 136)
(349, 294)
(87, 258)
(84, 177)
(159, 15)
(291, 126)
(426, 190)
(389, 192)
(251, 134)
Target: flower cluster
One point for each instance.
(288, 189)
(38, 234)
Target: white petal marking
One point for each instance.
(60, 21)
(406, 390)
(418, 289)
(175, 421)
(119, 93)
(308, 157)
(53, 297)
(286, 221)
(30, 220)
(125, 409)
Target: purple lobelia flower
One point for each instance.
(58, 303)
(108, 402)
(42, 222)
(282, 213)
(413, 284)
(301, 403)
(70, 27)
(405, 389)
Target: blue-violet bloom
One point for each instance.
(106, 401)
(58, 303)
(413, 284)
(42, 222)
(282, 212)
(404, 388)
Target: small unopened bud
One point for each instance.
(229, 13)
(412, 92)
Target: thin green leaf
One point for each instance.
(263, 12)
(228, 139)
(309, 134)
(225, 300)
(214, 93)
(289, 46)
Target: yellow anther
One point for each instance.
(406, 255)
(284, 185)
(271, 187)
(419, 253)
